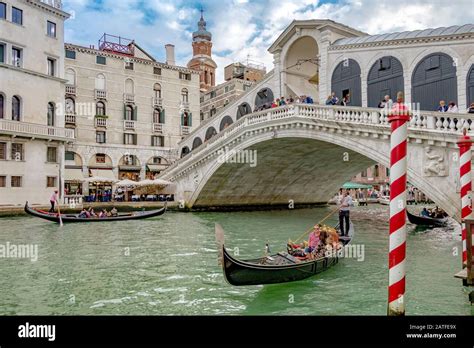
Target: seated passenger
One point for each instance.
(103, 213)
(425, 212)
(114, 212)
(314, 240)
(83, 214)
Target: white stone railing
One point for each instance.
(70, 119)
(100, 94)
(433, 122)
(35, 130)
(129, 124)
(157, 128)
(71, 90)
(185, 130)
(100, 122)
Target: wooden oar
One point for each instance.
(320, 222)
(60, 218)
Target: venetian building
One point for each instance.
(202, 56)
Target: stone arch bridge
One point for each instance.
(306, 152)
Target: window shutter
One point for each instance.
(162, 116)
(190, 123)
(182, 119)
(124, 111)
(135, 113)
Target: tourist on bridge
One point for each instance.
(53, 200)
(471, 109)
(386, 102)
(442, 106)
(452, 107)
(345, 100)
(344, 210)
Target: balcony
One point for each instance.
(70, 90)
(157, 102)
(185, 130)
(34, 130)
(129, 124)
(158, 128)
(128, 98)
(100, 122)
(185, 105)
(70, 119)
(100, 94)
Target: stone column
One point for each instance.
(324, 74)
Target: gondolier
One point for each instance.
(53, 200)
(344, 211)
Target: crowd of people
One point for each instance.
(322, 239)
(282, 101)
(436, 213)
(90, 213)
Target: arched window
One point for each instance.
(100, 82)
(51, 114)
(376, 171)
(129, 86)
(70, 76)
(2, 106)
(100, 109)
(16, 108)
(70, 106)
(128, 113)
(157, 90)
(158, 116)
(185, 95)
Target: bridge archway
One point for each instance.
(434, 79)
(301, 69)
(225, 122)
(263, 99)
(184, 151)
(346, 80)
(243, 109)
(470, 86)
(211, 131)
(305, 167)
(197, 142)
(385, 78)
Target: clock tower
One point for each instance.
(202, 56)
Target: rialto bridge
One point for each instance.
(306, 151)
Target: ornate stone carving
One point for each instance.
(434, 162)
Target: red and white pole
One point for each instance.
(398, 118)
(465, 144)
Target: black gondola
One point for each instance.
(74, 218)
(278, 268)
(426, 221)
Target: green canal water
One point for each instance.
(168, 266)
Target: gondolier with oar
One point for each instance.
(344, 211)
(53, 200)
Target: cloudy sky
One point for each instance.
(246, 28)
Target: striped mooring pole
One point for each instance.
(465, 144)
(398, 118)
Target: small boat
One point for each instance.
(277, 268)
(426, 221)
(384, 200)
(73, 218)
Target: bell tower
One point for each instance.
(202, 56)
